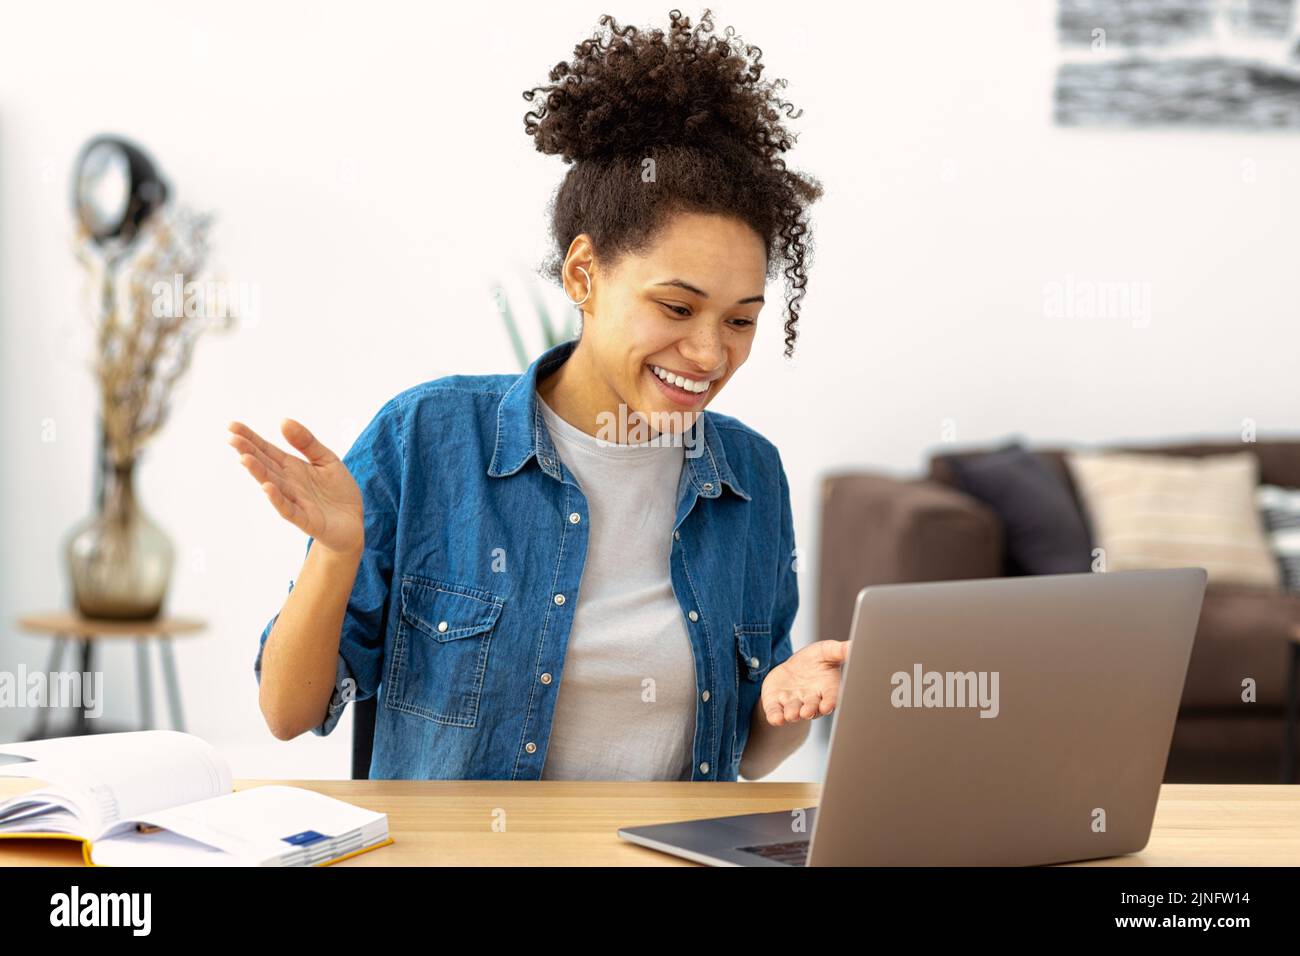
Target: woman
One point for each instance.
(578, 572)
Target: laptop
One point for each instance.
(996, 722)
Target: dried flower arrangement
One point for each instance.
(119, 560)
(145, 339)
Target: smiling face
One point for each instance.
(663, 332)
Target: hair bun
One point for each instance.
(627, 91)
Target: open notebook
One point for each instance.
(164, 798)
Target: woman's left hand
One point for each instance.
(806, 685)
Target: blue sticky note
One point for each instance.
(304, 838)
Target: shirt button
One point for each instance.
(575, 518)
(704, 696)
(693, 616)
(753, 662)
(442, 625)
(559, 599)
(677, 536)
(545, 678)
(530, 747)
(708, 486)
(704, 767)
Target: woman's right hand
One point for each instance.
(319, 496)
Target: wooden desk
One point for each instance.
(449, 823)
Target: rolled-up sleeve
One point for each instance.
(375, 462)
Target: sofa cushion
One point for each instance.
(1279, 461)
(1281, 510)
(1044, 531)
(1162, 511)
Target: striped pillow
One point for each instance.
(1161, 511)
(1281, 510)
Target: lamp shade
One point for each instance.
(115, 188)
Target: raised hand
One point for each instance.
(317, 495)
(806, 685)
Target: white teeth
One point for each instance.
(683, 383)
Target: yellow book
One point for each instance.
(164, 798)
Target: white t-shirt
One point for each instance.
(626, 704)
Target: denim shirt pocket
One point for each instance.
(440, 652)
(753, 660)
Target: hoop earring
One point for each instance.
(585, 297)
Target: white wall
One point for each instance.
(371, 174)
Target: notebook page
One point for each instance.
(128, 848)
(250, 825)
(45, 812)
(112, 776)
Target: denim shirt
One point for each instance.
(475, 540)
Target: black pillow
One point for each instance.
(1045, 532)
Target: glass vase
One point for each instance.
(119, 560)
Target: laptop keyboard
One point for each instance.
(791, 853)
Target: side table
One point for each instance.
(69, 626)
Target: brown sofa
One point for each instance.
(877, 529)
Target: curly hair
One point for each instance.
(692, 111)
